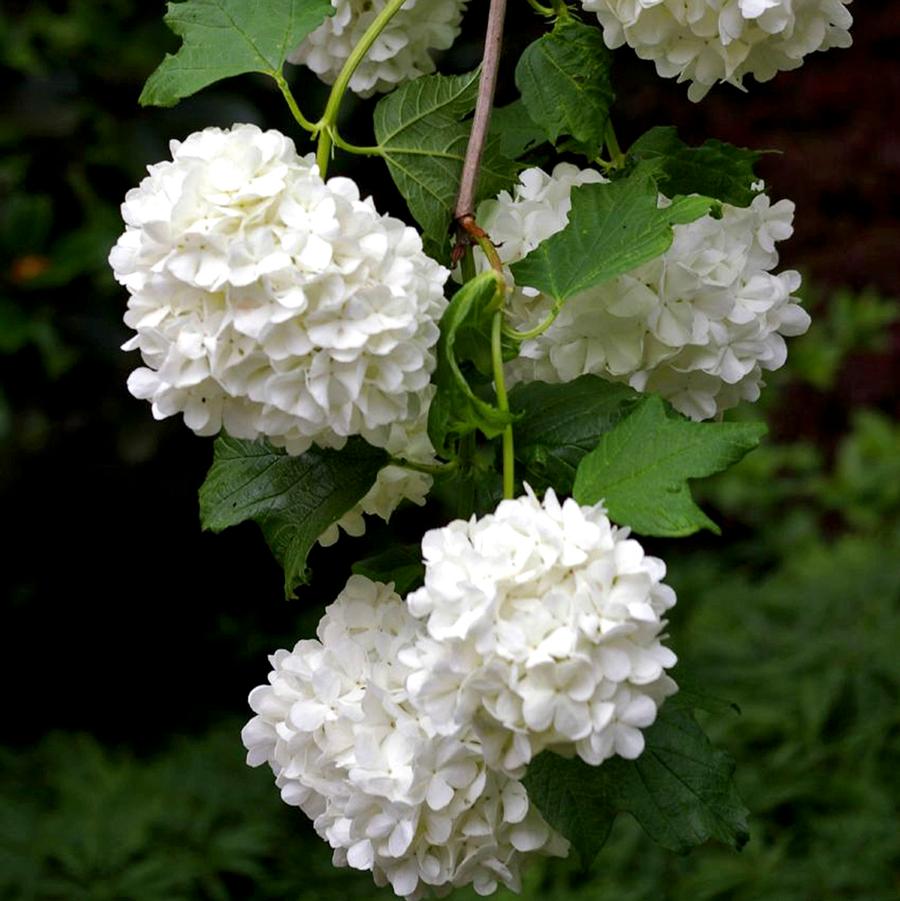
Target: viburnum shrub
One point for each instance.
(553, 344)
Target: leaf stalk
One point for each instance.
(539, 329)
(539, 7)
(285, 89)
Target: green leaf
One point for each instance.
(612, 229)
(692, 692)
(293, 499)
(421, 130)
(561, 423)
(401, 565)
(222, 38)
(515, 130)
(681, 790)
(641, 468)
(456, 409)
(565, 84)
(714, 169)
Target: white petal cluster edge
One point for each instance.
(544, 631)
(710, 41)
(698, 325)
(419, 810)
(403, 731)
(270, 302)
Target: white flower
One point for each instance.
(394, 484)
(270, 302)
(400, 53)
(709, 41)
(697, 325)
(543, 625)
(418, 809)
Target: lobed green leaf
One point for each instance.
(564, 78)
(681, 790)
(222, 38)
(515, 130)
(293, 499)
(641, 468)
(560, 424)
(421, 130)
(714, 169)
(612, 228)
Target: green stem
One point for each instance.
(539, 329)
(325, 126)
(374, 150)
(323, 150)
(465, 487)
(488, 249)
(509, 465)
(283, 86)
(467, 265)
(612, 144)
(436, 469)
(543, 10)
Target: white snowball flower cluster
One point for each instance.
(271, 302)
(543, 631)
(710, 41)
(400, 53)
(420, 810)
(697, 325)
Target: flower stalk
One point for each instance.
(509, 464)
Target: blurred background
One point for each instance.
(130, 639)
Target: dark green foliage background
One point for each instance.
(129, 638)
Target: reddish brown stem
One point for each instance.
(468, 183)
(472, 233)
